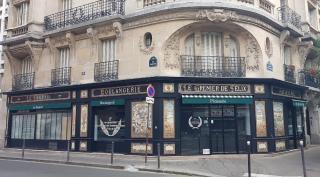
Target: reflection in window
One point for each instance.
(50, 126)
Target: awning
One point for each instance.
(299, 103)
(111, 102)
(217, 99)
(40, 106)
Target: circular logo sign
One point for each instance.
(195, 122)
(151, 91)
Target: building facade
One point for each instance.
(224, 72)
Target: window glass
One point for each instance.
(43, 126)
(69, 126)
(53, 126)
(108, 50)
(22, 13)
(58, 127)
(38, 126)
(13, 126)
(64, 126)
(48, 127)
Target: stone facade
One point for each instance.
(255, 25)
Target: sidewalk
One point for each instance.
(282, 164)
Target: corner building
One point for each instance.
(223, 72)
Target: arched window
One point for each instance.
(189, 45)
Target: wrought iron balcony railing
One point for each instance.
(289, 73)
(84, 13)
(152, 2)
(61, 76)
(105, 71)
(213, 66)
(309, 78)
(289, 16)
(23, 81)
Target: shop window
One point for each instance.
(22, 13)
(108, 50)
(278, 119)
(168, 119)
(23, 126)
(261, 123)
(53, 126)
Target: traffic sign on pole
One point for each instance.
(151, 91)
(149, 100)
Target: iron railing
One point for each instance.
(61, 76)
(289, 73)
(213, 66)
(23, 81)
(288, 16)
(105, 71)
(84, 13)
(306, 77)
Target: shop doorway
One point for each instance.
(224, 129)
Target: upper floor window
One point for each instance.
(64, 57)
(26, 66)
(211, 44)
(287, 55)
(22, 13)
(66, 4)
(108, 50)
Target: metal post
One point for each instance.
(23, 146)
(302, 158)
(249, 158)
(112, 152)
(158, 147)
(146, 152)
(68, 151)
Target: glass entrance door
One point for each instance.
(223, 129)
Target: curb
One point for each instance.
(117, 167)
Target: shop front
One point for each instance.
(188, 117)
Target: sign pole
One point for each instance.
(147, 127)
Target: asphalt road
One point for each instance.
(16, 168)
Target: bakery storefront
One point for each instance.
(188, 117)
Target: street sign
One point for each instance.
(151, 91)
(149, 100)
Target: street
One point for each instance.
(17, 168)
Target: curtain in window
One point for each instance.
(22, 13)
(212, 49)
(26, 66)
(64, 60)
(108, 50)
(66, 4)
(287, 55)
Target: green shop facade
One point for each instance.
(189, 116)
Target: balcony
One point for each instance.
(20, 30)
(84, 13)
(105, 71)
(309, 78)
(289, 73)
(213, 66)
(61, 76)
(23, 81)
(267, 6)
(152, 2)
(288, 16)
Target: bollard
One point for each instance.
(249, 158)
(112, 152)
(159, 151)
(23, 147)
(68, 151)
(302, 158)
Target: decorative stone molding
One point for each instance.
(253, 54)
(117, 28)
(145, 50)
(303, 49)
(217, 15)
(171, 52)
(49, 44)
(93, 36)
(284, 36)
(70, 38)
(36, 50)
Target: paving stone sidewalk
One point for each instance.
(281, 165)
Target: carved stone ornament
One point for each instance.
(303, 49)
(93, 36)
(70, 39)
(146, 50)
(117, 28)
(171, 52)
(268, 47)
(254, 54)
(217, 15)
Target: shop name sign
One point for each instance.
(286, 92)
(213, 88)
(116, 91)
(40, 97)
